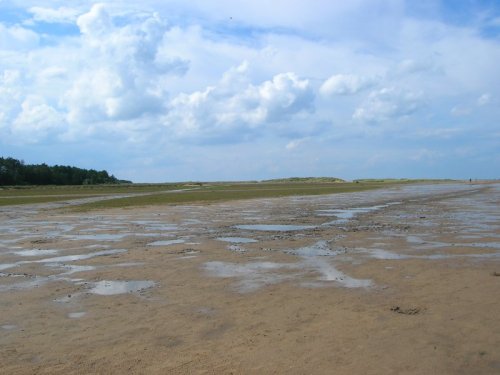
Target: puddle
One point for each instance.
(192, 222)
(108, 288)
(72, 258)
(226, 269)
(128, 264)
(385, 255)
(8, 327)
(236, 249)
(155, 226)
(35, 252)
(349, 213)
(236, 239)
(30, 284)
(68, 298)
(315, 257)
(95, 246)
(253, 276)
(330, 273)
(273, 227)
(166, 242)
(77, 315)
(6, 266)
(188, 257)
(320, 248)
(98, 237)
(71, 269)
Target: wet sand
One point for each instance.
(402, 280)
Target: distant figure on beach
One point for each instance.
(470, 179)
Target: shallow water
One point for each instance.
(109, 288)
(236, 248)
(320, 248)
(317, 258)
(328, 272)
(35, 252)
(71, 268)
(388, 255)
(98, 236)
(72, 258)
(8, 327)
(236, 239)
(6, 266)
(273, 227)
(77, 315)
(166, 242)
(251, 276)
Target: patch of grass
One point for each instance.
(227, 192)
(38, 199)
(7, 191)
(13, 195)
(189, 192)
(306, 179)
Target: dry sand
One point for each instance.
(408, 282)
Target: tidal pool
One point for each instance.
(236, 239)
(98, 236)
(166, 242)
(320, 248)
(252, 276)
(35, 252)
(8, 327)
(109, 288)
(72, 258)
(77, 315)
(273, 227)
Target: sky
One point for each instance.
(206, 90)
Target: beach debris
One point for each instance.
(406, 311)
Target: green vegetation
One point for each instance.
(232, 191)
(15, 172)
(306, 179)
(133, 195)
(42, 194)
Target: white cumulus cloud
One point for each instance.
(17, 38)
(483, 100)
(387, 104)
(54, 15)
(36, 119)
(121, 78)
(227, 109)
(345, 84)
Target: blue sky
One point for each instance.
(224, 90)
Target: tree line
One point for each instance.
(15, 172)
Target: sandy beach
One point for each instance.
(403, 280)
